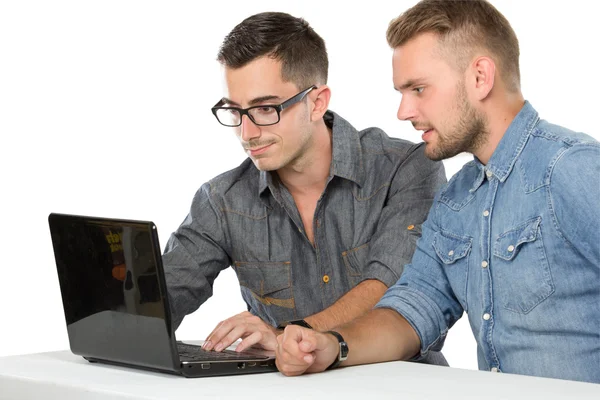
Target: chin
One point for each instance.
(264, 165)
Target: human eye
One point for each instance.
(419, 89)
(266, 110)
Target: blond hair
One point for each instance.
(464, 27)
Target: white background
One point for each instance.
(105, 111)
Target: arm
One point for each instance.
(194, 256)
(356, 302)
(574, 193)
(411, 319)
(380, 335)
(255, 332)
(413, 187)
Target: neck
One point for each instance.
(499, 111)
(309, 172)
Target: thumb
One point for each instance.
(314, 341)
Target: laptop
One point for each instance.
(116, 305)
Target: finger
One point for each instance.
(253, 339)
(314, 342)
(289, 369)
(290, 350)
(222, 329)
(306, 338)
(237, 332)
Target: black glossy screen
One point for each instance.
(111, 284)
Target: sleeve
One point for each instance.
(194, 255)
(575, 199)
(413, 187)
(423, 295)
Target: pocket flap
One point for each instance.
(508, 244)
(264, 278)
(450, 247)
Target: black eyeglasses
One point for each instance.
(263, 115)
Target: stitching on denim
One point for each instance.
(550, 202)
(549, 280)
(387, 184)
(244, 214)
(347, 262)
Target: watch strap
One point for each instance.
(299, 322)
(343, 350)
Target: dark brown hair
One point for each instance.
(283, 37)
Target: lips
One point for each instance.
(258, 150)
(427, 135)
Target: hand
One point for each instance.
(301, 350)
(246, 326)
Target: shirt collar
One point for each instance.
(347, 158)
(510, 147)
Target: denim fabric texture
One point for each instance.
(366, 225)
(516, 245)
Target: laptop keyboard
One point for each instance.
(189, 352)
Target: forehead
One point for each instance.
(258, 78)
(418, 59)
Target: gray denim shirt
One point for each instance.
(366, 225)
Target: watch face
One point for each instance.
(343, 351)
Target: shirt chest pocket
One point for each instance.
(521, 273)
(453, 251)
(267, 289)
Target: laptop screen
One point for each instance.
(110, 279)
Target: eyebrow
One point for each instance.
(410, 83)
(256, 100)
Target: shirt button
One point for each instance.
(451, 253)
(488, 173)
(410, 227)
(484, 264)
(511, 248)
(325, 278)
(486, 213)
(487, 316)
(494, 369)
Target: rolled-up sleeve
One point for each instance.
(194, 255)
(412, 190)
(423, 295)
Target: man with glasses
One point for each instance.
(319, 220)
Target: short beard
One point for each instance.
(468, 135)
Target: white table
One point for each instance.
(62, 375)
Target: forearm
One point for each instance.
(353, 304)
(380, 335)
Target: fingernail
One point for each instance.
(308, 359)
(219, 347)
(207, 345)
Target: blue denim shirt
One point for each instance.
(516, 245)
(377, 187)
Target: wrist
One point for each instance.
(342, 349)
(299, 322)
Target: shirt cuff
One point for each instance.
(421, 313)
(381, 273)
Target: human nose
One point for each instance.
(248, 129)
(406, 110)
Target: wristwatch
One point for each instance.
(343, 354)
(299, 322)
